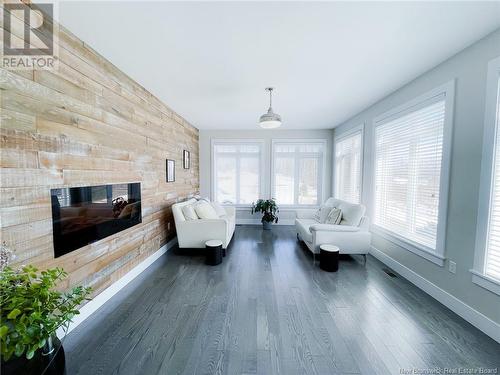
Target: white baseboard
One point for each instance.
(258, 222)
(90, 307)
(459, 307)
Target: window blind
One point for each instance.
(492, 259)
(348, 168)
(298, 169)
(408, 154)
(236, 172)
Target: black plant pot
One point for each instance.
(41, 364)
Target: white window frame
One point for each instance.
(447, 91)
(348, 133)
(228, 141)
(479, 276)
(321, 172)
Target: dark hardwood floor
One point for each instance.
(269, 310)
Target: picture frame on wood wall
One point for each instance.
(170, 170)
(186, 159)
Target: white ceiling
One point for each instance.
(210, 61)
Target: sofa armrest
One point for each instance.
(230, 210)
(305, 213)
(333, 228)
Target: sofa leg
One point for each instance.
(298, 238)
(364, 256)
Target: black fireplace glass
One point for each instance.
(83, 215)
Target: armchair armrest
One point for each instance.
(333, 228)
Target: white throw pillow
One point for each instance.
(334, 217)
(189, 212)
(218, 209)
(351, 213)
(205, 211)
(322, 213)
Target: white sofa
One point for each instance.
(352, 235)
(194, 233)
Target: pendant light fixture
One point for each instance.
(270, 120)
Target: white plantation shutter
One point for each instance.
(298, 172)
(492, 261)
(284, 179)
(348, 167)
(236, 172)
(408, 154)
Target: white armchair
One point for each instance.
(194, 233)
(352, 236)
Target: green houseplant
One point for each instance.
(31, 312)
(269, 210)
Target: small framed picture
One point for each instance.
(170, 170)
(186, 159)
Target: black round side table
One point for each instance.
(214, 252)
(329, 257)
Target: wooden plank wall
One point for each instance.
(87, 123)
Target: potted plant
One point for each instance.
(269, 209)
(31, 312)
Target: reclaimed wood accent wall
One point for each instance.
(87, 123)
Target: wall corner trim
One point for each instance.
(474, 317)
(92, 306)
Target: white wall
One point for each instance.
(469, 69)
(243, 215)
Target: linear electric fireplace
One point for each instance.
(82, 215)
